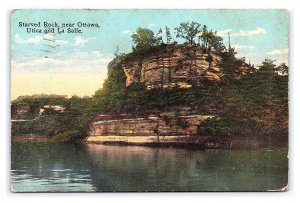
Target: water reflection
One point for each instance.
(66, 167)
(50, 167)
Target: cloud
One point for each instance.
(223, 33)
(75, 61)
(256, 56)
(18, 39)
(80, 40)
(278, 62)
(38, 39)
(278, 52)
(33, 40)
(256, 31)
(237, 46)
(125, 31)
(151, 25)
(60, 42)
(80, 73)
(48, 36)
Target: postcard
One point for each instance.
(149, 100)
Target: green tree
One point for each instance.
(113, 91)
(203, 36)
(216, 42)
(168, 35)
(210, 40)
(188, 31)
(267, 75)
(229, 65)
(159, 37)
(282, 69)
(267, 67)
(143, 38)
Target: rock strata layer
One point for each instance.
(176, 64)
(165, 125)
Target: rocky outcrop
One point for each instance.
(32, 120)
(28, 112)
(167, 128)
(23, 111)
(163, 125)
(173, 64)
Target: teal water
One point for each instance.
(59, 167)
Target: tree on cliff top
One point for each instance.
(188, 31)
(168, 35)
(267, 67)
(143, 38)
(282, 69)
(206, 39)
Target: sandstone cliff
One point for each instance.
(167, 128)
(173, 64)
(184, 65)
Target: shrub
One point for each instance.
(220, 126)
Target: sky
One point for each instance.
(76, 63)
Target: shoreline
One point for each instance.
(201, 142)
(32, 138)
(183, 141)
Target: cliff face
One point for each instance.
(166, 128)
(173, 64)
(162, 125)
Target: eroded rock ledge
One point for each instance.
(183, 65)
(172, 64)
(171, 129)
(163, 125)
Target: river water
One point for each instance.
(59, 167)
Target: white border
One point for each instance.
(290, 196)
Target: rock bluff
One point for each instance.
(173, 64)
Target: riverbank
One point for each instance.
(197, 142)
(33, 138)
(207, 142)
